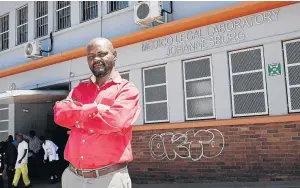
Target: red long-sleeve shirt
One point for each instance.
(98, 139)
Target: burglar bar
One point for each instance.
(113, 6)
(22, 25)
(89, 10)
(41, 18)
(63, 10)
(4, 32)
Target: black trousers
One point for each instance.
(10, 176)
(52, 168)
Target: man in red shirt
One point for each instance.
(99, 114)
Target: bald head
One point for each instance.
(101, 56)
(103, 42)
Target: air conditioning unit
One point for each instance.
(146, 12)
(33, 50)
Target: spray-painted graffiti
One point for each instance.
(192, 145)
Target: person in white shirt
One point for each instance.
(22, 161)
(51, 157)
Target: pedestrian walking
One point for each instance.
(50, 157)
(100, 114)
(11, 155)
(21, 164)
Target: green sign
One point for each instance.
(274, 69)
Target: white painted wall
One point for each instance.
(35, 119)
(131, 58)
(109, 25)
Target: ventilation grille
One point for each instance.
(292, 63)
(155, 94)
(4, 122)
(248, 86)
(143, 11)
(199, 103)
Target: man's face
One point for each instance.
(101, 58)
(19, 139)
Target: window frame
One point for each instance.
(108, 7)
(156, 85)
(18, 26)
(287, 78)
(38, 18)
(5, 120)
(1, 34)
(81, 11)
(263, 70)
(56, 16)
(199, 97)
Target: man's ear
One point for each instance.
(115, 54)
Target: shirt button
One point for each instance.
(91, 130)
(81, 157)
(83, 141)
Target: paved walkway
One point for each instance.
(278, 184)
(283, 184)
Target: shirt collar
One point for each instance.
(115, 77)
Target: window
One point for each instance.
(155, 94)
(4, 32)
(63, 14)
(248, 85)
(89, 10)
(292, 68)
(198, 89)
(41, 18)
(22, 25)
(113, 6)
(125, 75)
(4, 129)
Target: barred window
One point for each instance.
(155, 94)
(248, 82)
(4, 32)
(198, 89)
(4, 129)
(113, 6)
(292, 68)
(63, 14)
(22, 25)
(125, 75)
(41, 18)
(89, 10)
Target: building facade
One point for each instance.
(219, 82)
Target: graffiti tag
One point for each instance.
(192, 145)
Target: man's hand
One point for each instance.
(102, 108)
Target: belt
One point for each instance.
(97, 172)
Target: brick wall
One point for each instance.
(225, 153)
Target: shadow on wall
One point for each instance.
(32, 117)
